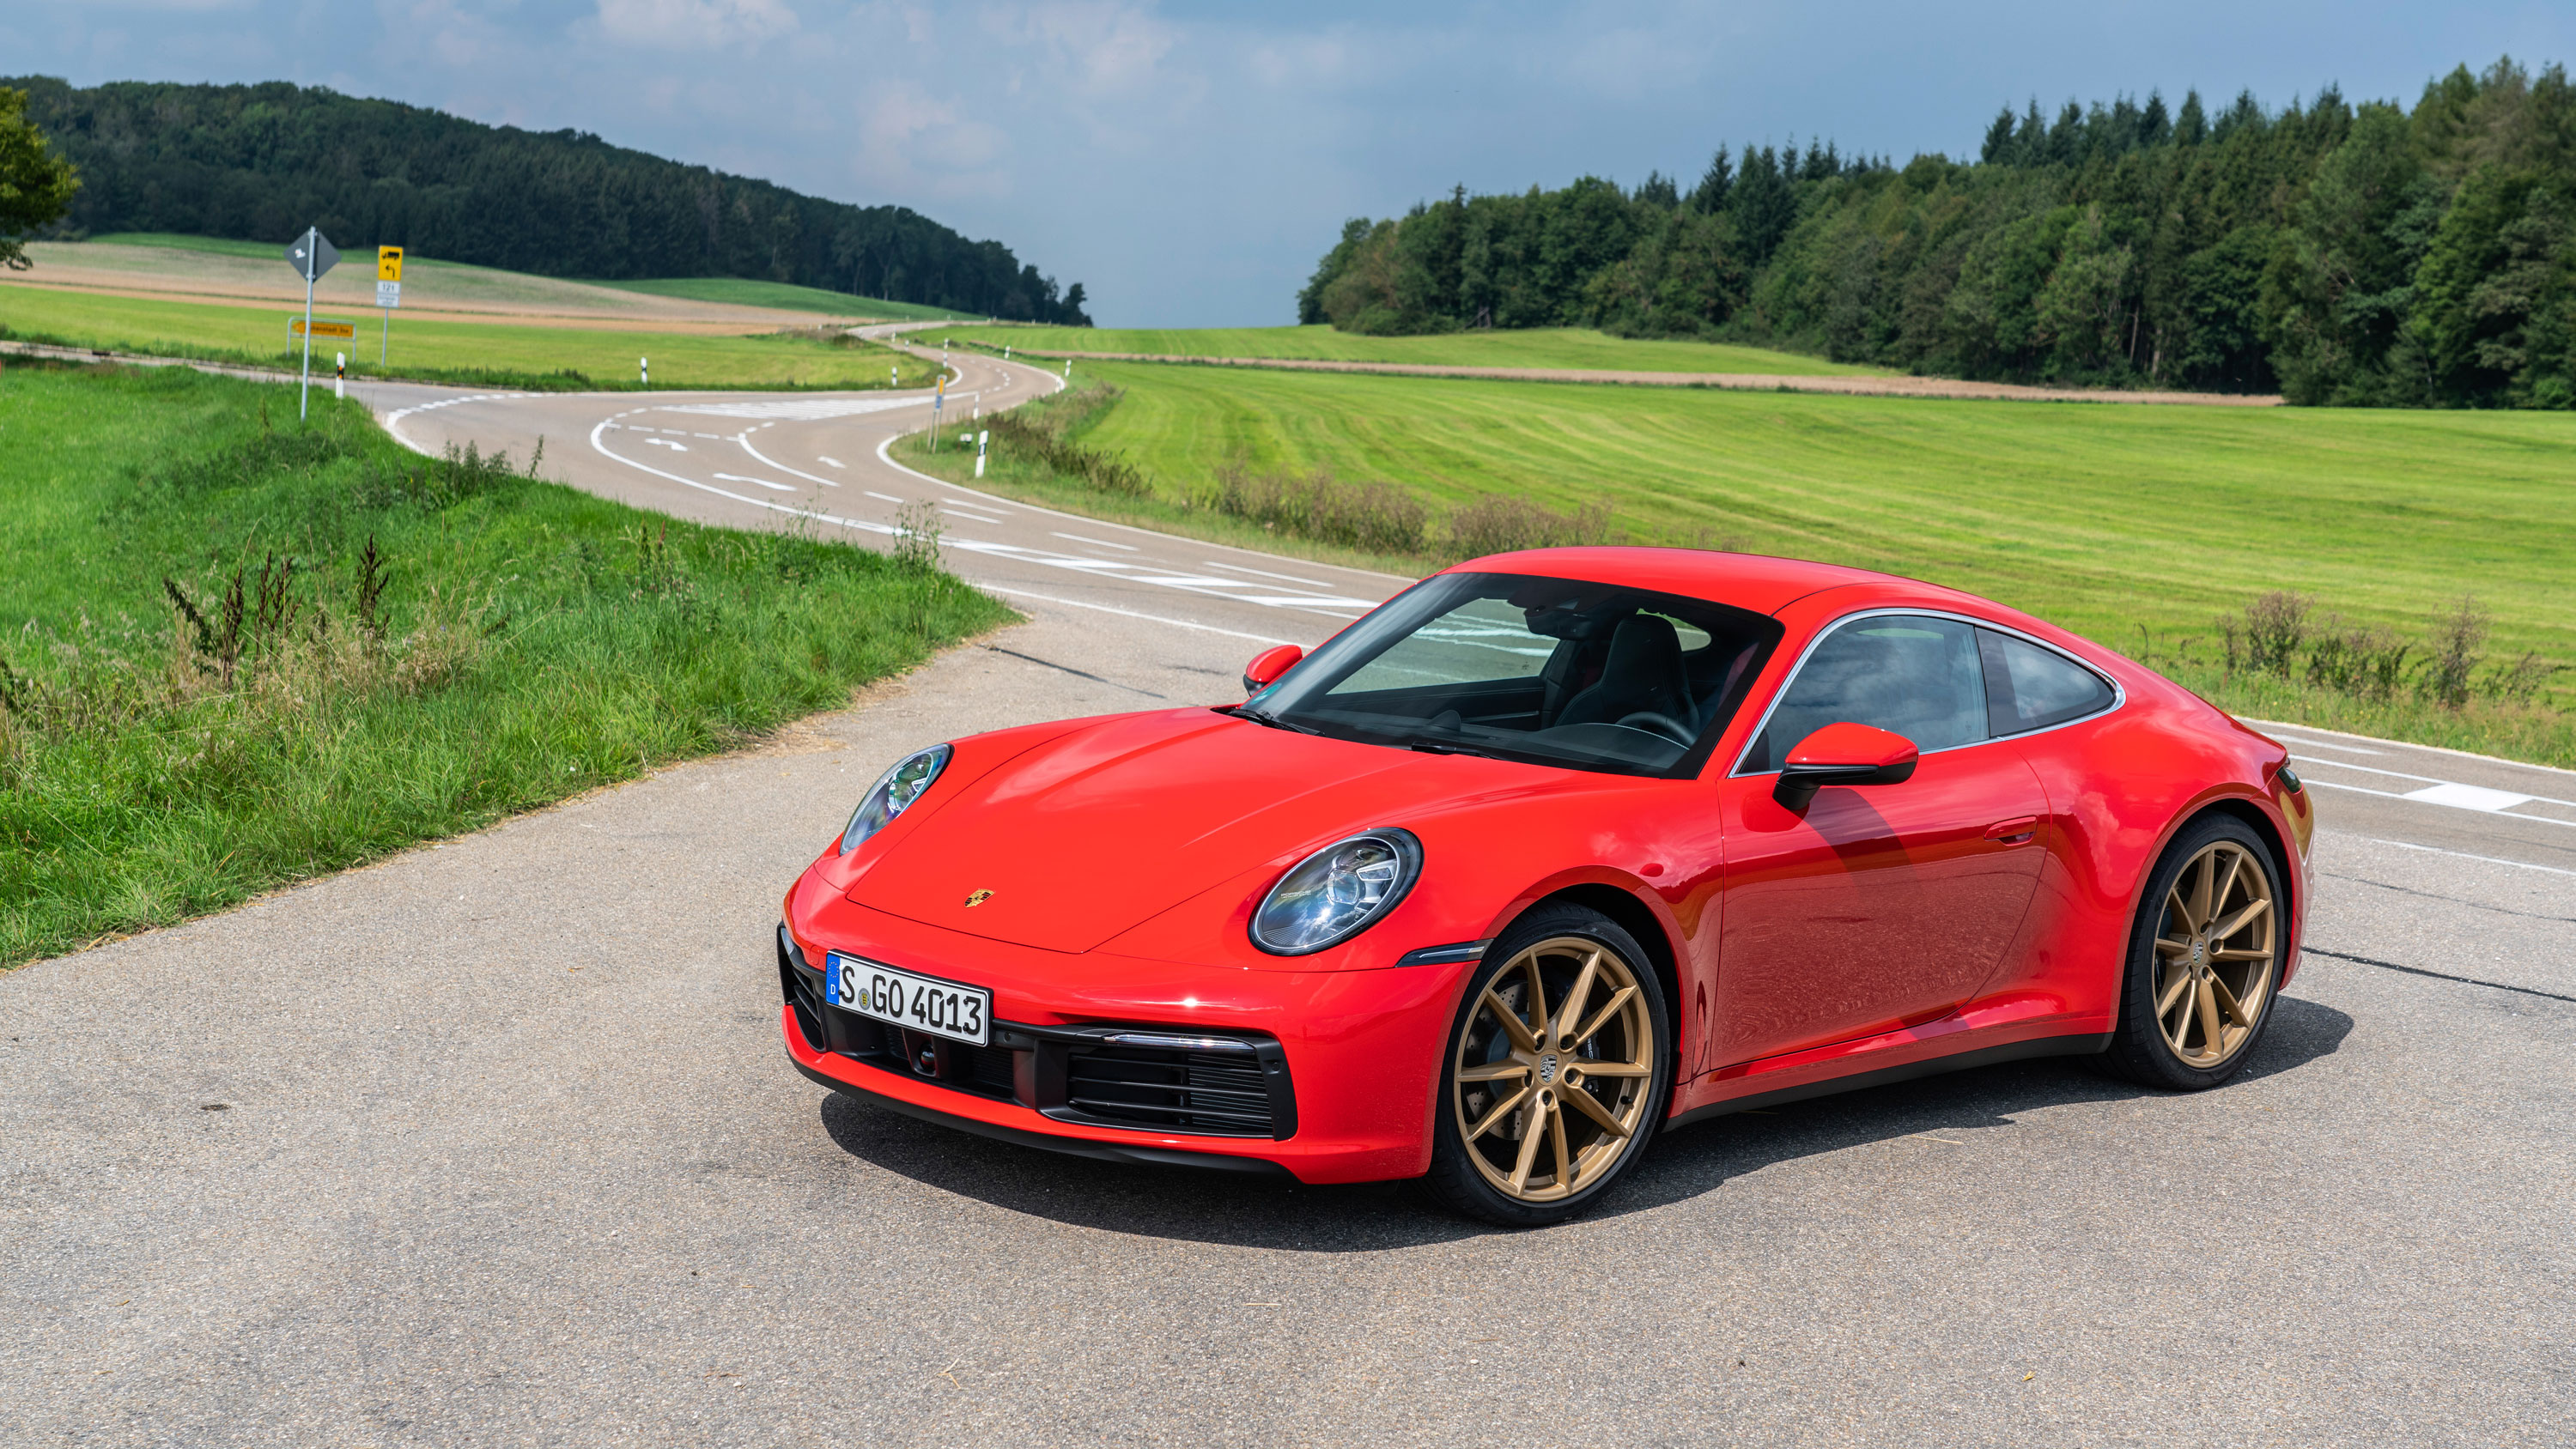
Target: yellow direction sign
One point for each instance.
(296, 325)
(389, 264)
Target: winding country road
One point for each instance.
(493, 1143)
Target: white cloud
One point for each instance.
(1104, 46)
(686, 24)
(912, 141)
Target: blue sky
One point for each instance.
(1189, 161)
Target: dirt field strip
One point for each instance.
(1932, 387)
(703, 320)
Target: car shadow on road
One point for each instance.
(1186, 1205)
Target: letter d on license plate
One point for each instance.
(923, 1003)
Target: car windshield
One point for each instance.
(1569, 672)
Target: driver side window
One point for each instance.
(1908, 674)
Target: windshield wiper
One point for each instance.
(1429, 747)
(1264, 717)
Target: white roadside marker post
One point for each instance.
(340, 376)
(981, 437)
(644, 371)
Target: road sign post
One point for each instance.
(311, 255)
(388, 295)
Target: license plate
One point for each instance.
(941, 1008)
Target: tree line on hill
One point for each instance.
(260, 162)
(2370, 254)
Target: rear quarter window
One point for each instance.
(2031, 688)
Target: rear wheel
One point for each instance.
(2204, 959)
(1556, 1073)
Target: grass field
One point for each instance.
(730, 291)
(491, 353)
(744, 292)
(1555, 347)
(524, 642)
(2137, 526)
(180, 241)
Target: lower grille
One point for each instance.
(1146, 1078)
(1169, 1090)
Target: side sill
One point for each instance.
(2085, 1044)
(1072, 1146)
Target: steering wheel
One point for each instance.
(1662, 724)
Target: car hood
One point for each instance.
(1089, 834)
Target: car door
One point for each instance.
(1875, 906)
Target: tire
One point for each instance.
(1509, 1164)
(2210, 878)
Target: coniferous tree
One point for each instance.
(2371, 254)
(1709, 197)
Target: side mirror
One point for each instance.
(1268, 665)
(1843, 754)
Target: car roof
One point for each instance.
(1754, 581)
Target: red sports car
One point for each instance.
(1551, 851)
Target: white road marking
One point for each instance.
(763, 482)
(2469, 797)
(2268, 724)
(2393, 795)
(828, 462)
(768, 461)
(1097, 542)
(2464, 855)
(1132, 614)
(888, 497)
(2322, 745)
(1259, 573)
(667, 443)
(799, 410)
(2432, 797)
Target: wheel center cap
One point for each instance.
(1547, 1067)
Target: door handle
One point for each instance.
(2015, 830)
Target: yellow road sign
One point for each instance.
(295, 325)
(389, 264)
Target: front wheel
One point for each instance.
(1556, 1072)
(2204, 960)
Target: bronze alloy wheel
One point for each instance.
(1555, 1070)
(2217, 946)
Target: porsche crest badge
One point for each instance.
(979, 898)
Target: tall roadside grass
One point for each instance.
(1039, 452)
(238, 653)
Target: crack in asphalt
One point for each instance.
(2436, 975)
(1078, 674)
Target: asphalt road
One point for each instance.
(493, 1143)
(818, 461)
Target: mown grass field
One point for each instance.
(494, 353)
(524, 642)
(786, 296)
(2136, 526)
(1553, 347)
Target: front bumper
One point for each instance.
(1327, 1075)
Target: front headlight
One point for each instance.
(893, 793)
(1337, 892)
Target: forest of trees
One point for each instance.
(2339, 254)
(260, 162)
